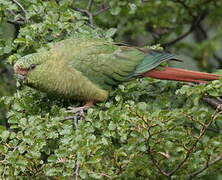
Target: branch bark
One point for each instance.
(192, 149)
(21, 7)
(90, 4)
(215, 102)
(90, 14)
(194, 25)
(199, 171)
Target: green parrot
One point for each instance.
(86, 68)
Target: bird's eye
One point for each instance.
(32, 66)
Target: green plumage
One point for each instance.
(84, 68)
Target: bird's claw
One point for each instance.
(81, 108)
(76, 109)
(79, 112)
(79, 115)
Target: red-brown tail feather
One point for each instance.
(184, 75)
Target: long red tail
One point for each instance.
(184, 75)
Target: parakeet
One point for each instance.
(87, 68)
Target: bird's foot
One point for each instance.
(79, 112)
(81, 109)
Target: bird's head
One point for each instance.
(26, 66)
(43, 71)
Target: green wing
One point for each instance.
(108, 65)
(103, 63)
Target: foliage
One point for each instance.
(148, 129)
(121, 138)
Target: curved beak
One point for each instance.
(21, 78)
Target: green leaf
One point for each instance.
(112, 126)
(110, 32)
(5, 135)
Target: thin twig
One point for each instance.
(77, 170)
(89, 6)
(16, 22)
(150, 125)
(194, 25)
(202, 133)
(20, 21)
(202, 30)
(68, 118)
(21, 7)
(90, 14)
(219, 59)
(178, 38)
(151, 154)
(205, 37)
(216, 103)
(12, 12)
(215, 130)
(182, 2)
(152, 157)
(107, 176)
(199, 171)
(157, 166)
(104, 8)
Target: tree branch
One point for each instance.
(21, 7)
(195, 23)
(219, 59)
(89, 6)
(207, 165)
(22, 19)
(90, 14)
(102, 10)
(186, 7)
(216, 103)
(202, 133)
(16, 22)
(178, 38)
(205, 36)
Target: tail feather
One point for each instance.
(184, 75)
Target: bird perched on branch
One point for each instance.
(86, 69)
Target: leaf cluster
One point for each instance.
(143, 131)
